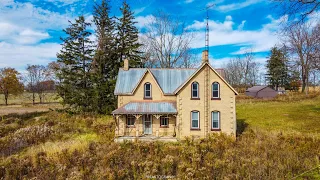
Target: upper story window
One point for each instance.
(195, 119)
(195, 90)
(147, 91)
(215, 120)
(215, 90)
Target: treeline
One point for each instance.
(37, 80)
(85, 72)
(293, 64)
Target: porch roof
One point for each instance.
(144, 107)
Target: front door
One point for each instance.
(147, 124)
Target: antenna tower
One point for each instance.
(207, 27)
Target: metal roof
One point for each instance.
(144, 107)
(255, 88)
(170, 79)
(128, 80)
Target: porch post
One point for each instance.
(157, 116)
(136, 123)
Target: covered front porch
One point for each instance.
(146, 121)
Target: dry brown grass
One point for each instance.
(278, 140)
(22, 109)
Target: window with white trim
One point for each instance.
(147, 90)
(130, 120)
(195, 90)
(195, 124)
(215, 90)
(215, 122)
(164, 121)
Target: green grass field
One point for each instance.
(278, 139)
(26, 98)
(284, 116)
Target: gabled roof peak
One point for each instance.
(168, 79)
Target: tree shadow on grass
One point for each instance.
(241, 126)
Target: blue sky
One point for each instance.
(30, 30)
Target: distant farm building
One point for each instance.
(261, 92)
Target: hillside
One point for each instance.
(276, 140)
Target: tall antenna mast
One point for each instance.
(207, 27)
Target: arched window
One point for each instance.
(147, 91)
(195, 120)
(215, 120)
(215, 90)
(195, 90)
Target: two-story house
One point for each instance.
(173, 103)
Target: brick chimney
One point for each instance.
(126, 65)
(205, 58)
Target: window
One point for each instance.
(147, 90)
(130, 120)
(164, 121)
(215, 90)
(195, 124)
(215, 124)
(195, 90)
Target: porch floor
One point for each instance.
(146, 138)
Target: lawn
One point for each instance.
(281, 116)
(278, 139)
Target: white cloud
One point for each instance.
(63, 2)
(6, 2)
(188, 1)
(213, 25)
(240, 27)
(223, 33)
(143, 21)
(216, 2)
(221, 62)
(236, 6)
(20, 35)
(18, 56)
(22, 28)
(228, 18)
(139, 10)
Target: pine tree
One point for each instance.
(76, 58)
(128, 37)
(106, 61)
(277, 69)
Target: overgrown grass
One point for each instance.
(278, 140)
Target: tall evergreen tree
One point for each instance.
(76, 58)
(128, 37)
(277, 69)
(106, 61)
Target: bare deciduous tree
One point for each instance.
(167, 40)
(35, 78)
(304, 44)
(297, 10)
(242, 72)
